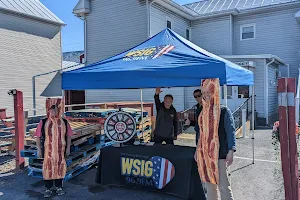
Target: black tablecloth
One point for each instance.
(152, 168)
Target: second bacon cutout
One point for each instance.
(208, 144)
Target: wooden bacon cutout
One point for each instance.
(208, 144)
(54, 165)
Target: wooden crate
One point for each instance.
(76, 127)
(147, 107)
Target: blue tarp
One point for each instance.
(165, 60)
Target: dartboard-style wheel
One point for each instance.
(120, 127)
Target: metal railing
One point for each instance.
(238, 113)
(186, 114)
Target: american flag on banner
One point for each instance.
(163, 171)
(162, 50)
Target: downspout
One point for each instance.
(288, 70)
(34, 89)
(149, 16)
(267, 90)
(61, 65)
(231, 33)
(33, 96)
(85, 36)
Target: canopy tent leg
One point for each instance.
(253, 114)
(225, 95)
(142, 113)
(33, 96)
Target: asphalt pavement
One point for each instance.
(259, 181)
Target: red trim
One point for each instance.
(172, 172)
(288, 146)
(292, 141)
(165, 172)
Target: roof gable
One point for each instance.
(30, 8)
(214, 6)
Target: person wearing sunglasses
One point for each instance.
(197, 110)
(227, 147)
(166, 129)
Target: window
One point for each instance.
(247, 31)
(243, 92)
(169, 23)
(188, 34)
(229, 92)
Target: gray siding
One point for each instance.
(114, 26)
(213, 35)
(23, 56)
(273, 99)
(159, 16)
(110, 33)
(276, 33)
(122, 36)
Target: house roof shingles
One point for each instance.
(31, 8)
(214, 6)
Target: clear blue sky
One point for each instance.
(72, 34)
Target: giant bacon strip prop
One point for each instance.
(54, 165)
(208, 144)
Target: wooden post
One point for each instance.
(291, 90)
(287, 132)
(284, 141)
(19, 127)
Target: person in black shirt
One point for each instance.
(166, 119)
(197, 110)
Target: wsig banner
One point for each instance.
(162, 168)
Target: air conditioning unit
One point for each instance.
(246, 63)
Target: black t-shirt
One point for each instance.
(166, 120)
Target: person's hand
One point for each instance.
(229, 158)
(187, 122)
(158, 90)
(40, 155)
(195, 156)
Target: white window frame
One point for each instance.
(172, 22)
(190, 30)
(247, 25)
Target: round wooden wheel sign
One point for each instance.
(120, 127)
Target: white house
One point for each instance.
(30, 44)
(243, 31)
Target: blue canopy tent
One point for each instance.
(164, 60)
